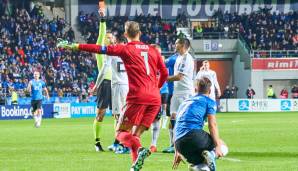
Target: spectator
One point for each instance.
(262, 30)
(234, 91)
(14, 96)
(250, 92)
(27, 43)
(227, 93)
(294, 91)
(270, 92)
(284, 94)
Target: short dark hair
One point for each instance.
(132, 29)
(204, 85)
(184, 41)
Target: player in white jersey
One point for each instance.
(205, 71)
(183, 83)
(119, 93)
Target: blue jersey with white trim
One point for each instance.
(170, 63)
(37, 88)
(191, 114)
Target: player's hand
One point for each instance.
(101, 12)
(101, 8)
(218, 152)
(177, 160)
(48, 97)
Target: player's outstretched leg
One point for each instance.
(209, 157)
(143, 153)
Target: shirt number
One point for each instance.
(145, 56)
(120, 67)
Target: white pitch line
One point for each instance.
(231, 159)
(236, 121)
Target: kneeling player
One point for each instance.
(191, 141)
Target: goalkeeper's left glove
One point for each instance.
(64, 44)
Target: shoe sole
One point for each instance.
(140, 160)
(208, 159)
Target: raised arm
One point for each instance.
(112, 50)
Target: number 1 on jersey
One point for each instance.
(145, 56)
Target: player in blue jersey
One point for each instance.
(191, 141)
(170, 63)
(36, 87)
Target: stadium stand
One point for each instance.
(27, 43)
(154, 29)
(263, 31)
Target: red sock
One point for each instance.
(130, 141)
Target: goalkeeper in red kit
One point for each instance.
(142, 62)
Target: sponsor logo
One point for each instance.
(243, 105)
(285, 105)
(275, 64)
(16, 111)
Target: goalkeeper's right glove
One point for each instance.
(64, 44)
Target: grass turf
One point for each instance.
(257, 142)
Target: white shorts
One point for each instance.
(176, 100)
(119, 93)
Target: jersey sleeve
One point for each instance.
(116, 50)
(211, 107)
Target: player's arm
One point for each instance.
(29, 87)
(100, 58)
(100, 76)
(212, 125)
(176, 77)
(113, 50)
(181, 72)
(46, 90)
(217, 85)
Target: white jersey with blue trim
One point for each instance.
(119, 75)
(184, 65)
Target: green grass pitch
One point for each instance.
(257, 142)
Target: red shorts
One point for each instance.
(139, 114)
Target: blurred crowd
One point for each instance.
(154, 29)
(262, 30)
(27, 44)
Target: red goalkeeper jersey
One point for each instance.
(142, 63)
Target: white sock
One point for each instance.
(155, 132)
(164, 119)
(36, 120)
(39, 119)
(171, 136)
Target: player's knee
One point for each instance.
(99, 118)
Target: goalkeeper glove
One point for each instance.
(64, 44)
